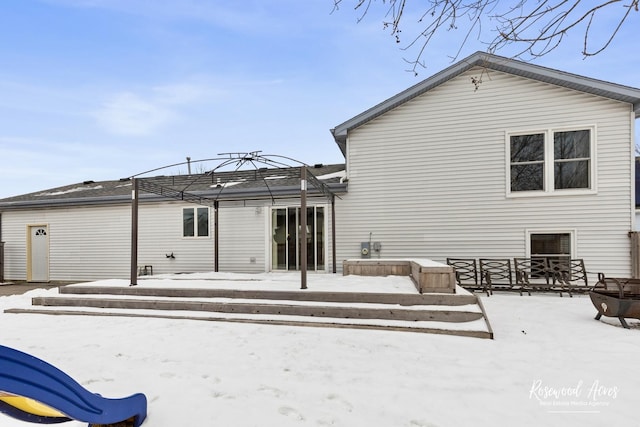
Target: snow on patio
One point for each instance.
(551, 364)
(272, 281)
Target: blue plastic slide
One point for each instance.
(35, 391)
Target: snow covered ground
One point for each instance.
(551, 364)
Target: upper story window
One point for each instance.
(195, 222)
(544, 162)
(572, 155)
(527, 162)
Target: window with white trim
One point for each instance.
(552, 246)
(195, 222)
(549, 161)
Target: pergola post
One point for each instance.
(303, 227)
(216, 258)
(1, 262)
(134, 232)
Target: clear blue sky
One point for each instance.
(104, 89)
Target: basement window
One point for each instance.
(552, 246)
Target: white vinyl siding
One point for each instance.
(91, 243)
(160, 235)
(242, 237)
(84, 243)
(428, 179)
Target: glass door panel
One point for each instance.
(319, 240)
(292, 238)
(279, 240)
(286, 238)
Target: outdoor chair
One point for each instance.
(496, 274)
(466, 272)
(533, 274)
(570, 274)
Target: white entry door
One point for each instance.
(38, 254)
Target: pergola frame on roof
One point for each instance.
(151, 185)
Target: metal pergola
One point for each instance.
(166, 187)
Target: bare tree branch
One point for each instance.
(559, 21)
(538, 26)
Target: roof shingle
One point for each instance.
(235, 185)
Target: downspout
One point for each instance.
(634, 147)
(333, 231)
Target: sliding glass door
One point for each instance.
(286, 238)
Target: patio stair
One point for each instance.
(452, 314)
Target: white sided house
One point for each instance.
(83, 231)
(494, 158)
(490, 158)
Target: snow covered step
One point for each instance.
(285, 308)
(459, 314)
(477, 328)
(294, 295)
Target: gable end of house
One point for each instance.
(497, 63)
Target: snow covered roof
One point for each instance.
(236, 185)
(498, 63)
